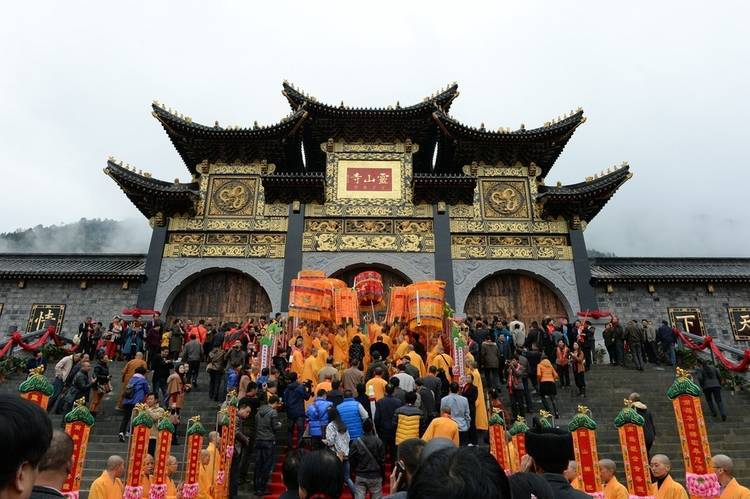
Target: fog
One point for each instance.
(664, 86)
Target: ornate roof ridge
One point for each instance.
(563, 124)
(163, 113)
(441, 99)
(122, 173)
(592, 183)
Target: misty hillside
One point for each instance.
(85, 236)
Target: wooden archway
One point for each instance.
(507, 294)
(222, 295)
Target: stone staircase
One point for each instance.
(103, 440)
(607, 386)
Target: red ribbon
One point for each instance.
(708, 342)
(17, 339)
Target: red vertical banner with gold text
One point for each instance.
(78, 423)
(700, 478)
(163, 447)
(517, 442)
(36, 388)
(228, 446)
(583, 429)
(222, 472)
(140, 428)
(498, 445)
(195, 433)
(630, 427)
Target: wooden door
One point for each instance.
(222, 296)
(504, 295)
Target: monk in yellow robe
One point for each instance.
(171, 471)
(205, 479)
(669, 489)
(340, 347)
(443, 361)
(214, 447)
(374, 330)
(298, 358)
(322, 355)
(613, 489)
(147, 476)
(403, 347)
(481, 404)
(109, 485)
(310, 368)
(416, 360)
(730, 488)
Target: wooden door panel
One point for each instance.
(223, 296)
(504, 295)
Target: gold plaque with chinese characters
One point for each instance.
(739, 317)
(371, 179)
(43, 315)
(687, 319)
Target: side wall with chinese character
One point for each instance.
(633, 301)
(101, 300)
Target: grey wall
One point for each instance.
(633, 301)
(101, 300)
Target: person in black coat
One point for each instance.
(471, 393)
(385, 408)
(649, 428)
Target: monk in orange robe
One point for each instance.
(340, 347)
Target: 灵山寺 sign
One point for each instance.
(369, 179)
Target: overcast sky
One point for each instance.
(664, 86)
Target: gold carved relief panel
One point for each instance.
(232, 196)
(368, 235)
(504, 199)
(226, 245)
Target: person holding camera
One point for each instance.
(294, 398)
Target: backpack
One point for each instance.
(129, 392)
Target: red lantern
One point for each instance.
(369, 286)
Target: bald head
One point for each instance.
(58, 455)
(114, 462)
(608, 464)
(660, 465)
(720, 462)
(571, 472)
(213, 436)
(139, 355)
(171, 461)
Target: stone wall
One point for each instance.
(101, 300)
(633, 301)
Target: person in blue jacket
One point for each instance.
(135, 393)
(317, 418)
(352, 414)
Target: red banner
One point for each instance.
(708, 342)
(79, 433)
(138, 448)
(636, 460)
(584, 441)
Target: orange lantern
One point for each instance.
(346, 306)
(306, 299)
(426, 306)
(327, 311)
(397, 305)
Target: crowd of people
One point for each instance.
(372, 397)
(38, 460)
